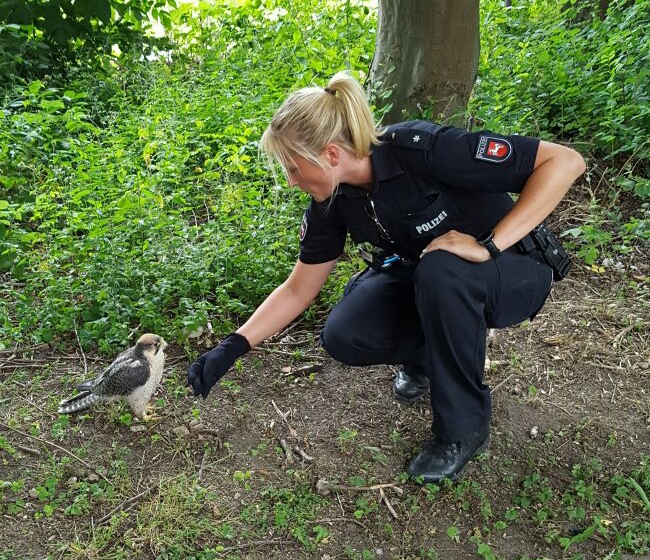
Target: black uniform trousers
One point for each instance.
(433, 316)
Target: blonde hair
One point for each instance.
(313, 117)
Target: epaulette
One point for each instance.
(411, 138)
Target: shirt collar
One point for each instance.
(384, 167)
(384, 164)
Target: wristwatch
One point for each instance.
(487, 240)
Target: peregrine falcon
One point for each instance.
(133, 376)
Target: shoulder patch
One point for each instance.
(411, 138)
(303, 227)
(495, 150)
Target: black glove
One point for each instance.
(208, 368)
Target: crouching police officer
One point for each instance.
(453, 255)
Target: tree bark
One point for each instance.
(426, 54)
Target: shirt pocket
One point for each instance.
(436, 215)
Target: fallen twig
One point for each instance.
(40, 346)
(283, 353)
(69, 453)
(324, 488)
(292, 431)
(347, 519)
(25, 365)
(501, 383)
(388, 504)
(619, 336)
(83, 355)
(287, 450)
(29, 450)
(125, 506)
(305, 370)
(303, 454)
(202, 467)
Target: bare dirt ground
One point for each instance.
(238, 476)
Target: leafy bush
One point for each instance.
(565, 71)
(556, 70)
(132, 196)
(135, 199)
(38, 37)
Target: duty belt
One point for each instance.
(541, 240)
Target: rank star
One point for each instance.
(416, 138)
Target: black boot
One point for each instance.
(444, 459)
(410, 387)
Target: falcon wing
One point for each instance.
(122, 377)
(90, 384)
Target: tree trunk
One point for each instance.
(427, 56)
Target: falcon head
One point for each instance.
(151, 344)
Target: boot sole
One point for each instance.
(407, 400)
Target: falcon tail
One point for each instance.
(86, 386)
(78, 402)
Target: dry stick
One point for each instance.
(284, 333)
(305, 370)
(24, 365)
(250, 544)
(28, 401)
(323, 487)
(292, 431)
(502, 382)
(83, 355)
(69, 453)
(606, 366)
(29, 450)
(202, 467)
(125, 506)
(287, 451)
(76, 358)
(302, 356)
(561, 408)
(302, 453)
(16, 350)
(388, 505)
(332, 519)
(210, 431)
(619, 336)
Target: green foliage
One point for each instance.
(132, 197)
(38, 36)
(546, 71)
(591, 504)
(290, 511)
(137, 201)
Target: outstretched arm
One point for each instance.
(556, 168)
(287, 301)
(284, 304)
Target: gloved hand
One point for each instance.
(208, 368)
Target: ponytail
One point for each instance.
(313, 117)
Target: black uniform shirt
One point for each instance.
(427, 180)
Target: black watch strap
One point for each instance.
(487, 240)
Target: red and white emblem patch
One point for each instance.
(496, 150)
(303, 227)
